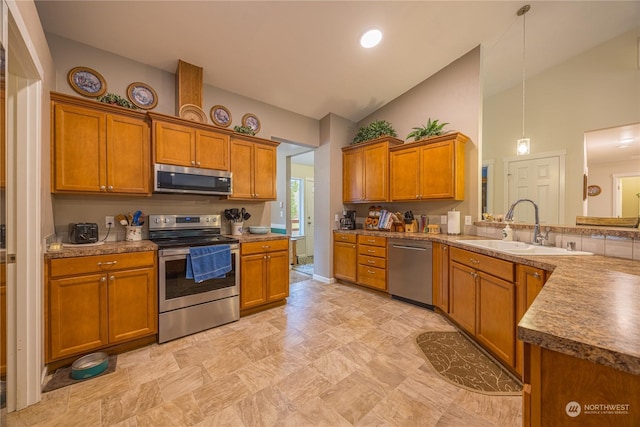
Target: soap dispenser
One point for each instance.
(507, 233)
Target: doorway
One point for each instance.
(302, 211)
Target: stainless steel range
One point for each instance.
(186, 307)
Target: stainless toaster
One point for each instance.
(83, 232)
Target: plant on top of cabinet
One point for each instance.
(113, 99)
(432, 128)
(244, 129)
(374, 130)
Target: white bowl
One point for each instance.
(259, 229)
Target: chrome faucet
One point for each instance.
(536, 227)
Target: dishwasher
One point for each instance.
(410, 271)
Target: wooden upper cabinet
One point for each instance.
(365, 171)
(253, 164)
(181, 143)
(98, 148)
(429, 169)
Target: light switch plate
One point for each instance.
(467, 220)
(443, 219)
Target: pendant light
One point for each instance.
(523, 144)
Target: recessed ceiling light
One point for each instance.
(371, 38)
(626, 140)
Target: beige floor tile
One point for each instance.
(335, 355)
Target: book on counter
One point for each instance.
(387, 219)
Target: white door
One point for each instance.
(537, 179)
(308, 213)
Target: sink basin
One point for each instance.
(521, 248)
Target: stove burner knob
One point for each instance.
(157, 220)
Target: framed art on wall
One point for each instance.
(251, 121)
(87, 82)
(142, 95)
(220, 116)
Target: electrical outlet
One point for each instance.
(443, 219)
(109, 221)
(467, 220)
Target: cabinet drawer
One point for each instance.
(372, 261)
(264, 246)
(496, 267)
(346, 238)
(378, 251)
(372, 240)
(100, 263)
(373, 277)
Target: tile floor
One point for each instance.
(335, 355)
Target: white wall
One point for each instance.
(596, 89)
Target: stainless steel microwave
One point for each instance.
(179, 179)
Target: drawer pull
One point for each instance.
(536, 275)
(371, 272)
(371, 241)
(370, 261)
(103, 279)
(100, 264)
(265, 246)
(112, 278)
(371, 251)
(343, 238)
(474, 261)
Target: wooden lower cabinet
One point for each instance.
(462, 299)
(495, 322)
(562, 390)
(345, 257)
(264, 273)
(529, 283)
(441, 276)
(96, 301)
(372, 262)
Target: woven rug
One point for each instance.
(464, 364)
(62, 377)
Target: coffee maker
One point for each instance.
(348, 220)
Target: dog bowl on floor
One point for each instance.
(89, 366)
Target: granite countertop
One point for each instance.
(121, 247)
(589, 307)
(248, 237)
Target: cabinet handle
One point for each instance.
(371, 251)
(112, 278)
(100, 264)
(343, 237)
(444, 248)
(353, 246)
(371, 240)
(371, 272)
(103, 279)
(473, 274)
(474, 261)
(257, 195)
(110, 187)
(268, 256)
(536, 275)
(103, 188)
(197, 163)
(193, 162)
(265, 246)
(370, 261)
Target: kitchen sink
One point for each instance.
(521, 248)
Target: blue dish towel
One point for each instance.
(208, 262)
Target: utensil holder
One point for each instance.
(133, 233)
(412, 227)
(237, 228)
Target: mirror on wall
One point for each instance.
(596, 88)
(613, 171)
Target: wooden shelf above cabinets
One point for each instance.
(438, 163)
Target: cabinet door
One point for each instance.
(242, 167)
(376, 173)
(264, 168)
(77, 315)
(79, 149)
(253, 289)
(462, 296)
(278, 276)
(496, 321)
(345, 261)
(352, 176)
(133, 304)
(128, 156)
(404, 181)
(441, 276)
(530, 281)
(174, 144)
(212, 150)
(437, 177)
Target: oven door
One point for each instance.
(176, 291)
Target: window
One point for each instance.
(297, 207)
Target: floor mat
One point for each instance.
(62, 377)
(304, 268)
(462, 363)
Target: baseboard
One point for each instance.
(327, 280)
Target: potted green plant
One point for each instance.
(432, 128)
(113, 99)
(376, 129)
(244, 129)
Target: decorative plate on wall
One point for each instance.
(220, 116)
(594, 190)
(251, 121)
(87, 82)
(193, 112)
(142, 95)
